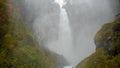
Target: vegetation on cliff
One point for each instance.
(107, 42)
(18, 47)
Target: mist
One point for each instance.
(85, 19)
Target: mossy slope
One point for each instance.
(107, 53)
(18, 47)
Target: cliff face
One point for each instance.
(107, 42)
(109, 37)
(18, 47)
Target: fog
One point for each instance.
(85, 19)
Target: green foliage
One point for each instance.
(107, 53)
(18, 47)
(100, 59)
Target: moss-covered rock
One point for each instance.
(107, 42)
(109, 37)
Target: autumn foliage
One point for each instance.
(18, 47)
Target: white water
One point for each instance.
(65, 37)
(68, 67)
(64, 44)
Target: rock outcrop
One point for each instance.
(107, 42)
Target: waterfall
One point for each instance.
(65, 37)
(64, 44)
(54, 30)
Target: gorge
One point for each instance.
(68, 27)
(59, 33)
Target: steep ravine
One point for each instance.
(19, 48)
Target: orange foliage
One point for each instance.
(10, 46)
(1, 2)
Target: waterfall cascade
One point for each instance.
(65, 37)
(64, 44)
(53, 28)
